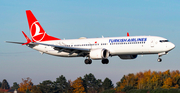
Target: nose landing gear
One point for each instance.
(161, 54)
(159, 59)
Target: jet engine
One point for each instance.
(127, 56)
(98, 54)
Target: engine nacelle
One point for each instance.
(98, 54)
(127, 56)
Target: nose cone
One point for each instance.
(171, 46)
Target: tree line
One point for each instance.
(141, 82)
(150, 80)
(87, 84)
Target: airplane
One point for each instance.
(127, 47)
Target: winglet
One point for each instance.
(127, 33)
(27, 38)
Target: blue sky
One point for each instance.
(73, 19)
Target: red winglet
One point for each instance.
(127, 33)
(27, 38)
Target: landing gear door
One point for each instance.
(152, 43)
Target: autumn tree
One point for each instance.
(175, 75)
(36, 89)
(78, 86)
(156, 80)
(5, 84)
(120, 85)
(147, 80)
(127, 80)
(25, 85)
(150, 80)
(178, 82)
(166, 74)
(167, 83)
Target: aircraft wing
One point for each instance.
(70, 50)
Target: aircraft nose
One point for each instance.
(171, 46)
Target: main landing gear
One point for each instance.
(105, 61)
(89, 61)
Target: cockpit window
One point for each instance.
(164, 41)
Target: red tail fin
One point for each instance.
(27, 38)
(37, 32)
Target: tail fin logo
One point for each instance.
(37, 33)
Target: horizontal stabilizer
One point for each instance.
(14, 42)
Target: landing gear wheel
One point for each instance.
(90, 61)
(105, 61)
(159, 59)
(87, 61)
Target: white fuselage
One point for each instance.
(115, 45)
